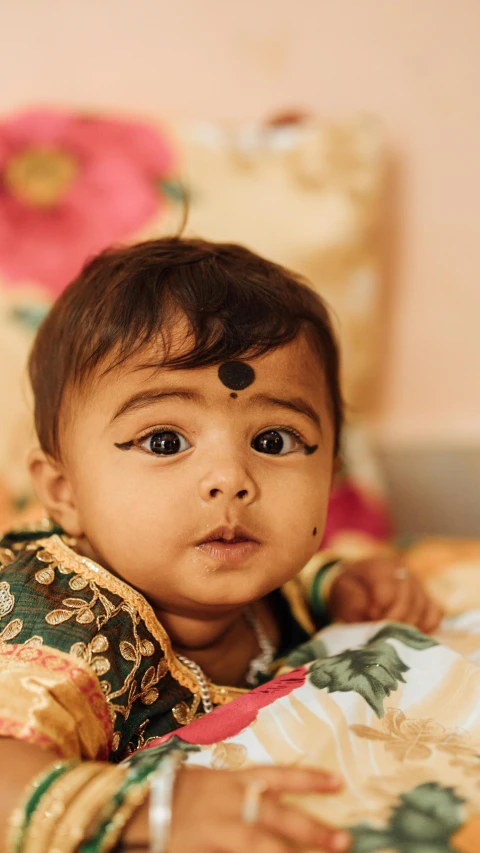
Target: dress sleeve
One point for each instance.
(53, 699)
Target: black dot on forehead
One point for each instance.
(236, 375)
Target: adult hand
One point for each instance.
(208, 806)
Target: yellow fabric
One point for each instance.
(59, 703)
(306, 194)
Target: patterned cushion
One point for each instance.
(303, 193)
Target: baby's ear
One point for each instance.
(54, 492)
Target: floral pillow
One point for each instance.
(70, 185)
(303, 192)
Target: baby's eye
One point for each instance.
(165, 442)
(276, 442)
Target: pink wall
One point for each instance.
(414, 62)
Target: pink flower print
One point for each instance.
(70, 185)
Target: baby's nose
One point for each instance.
(230, 482)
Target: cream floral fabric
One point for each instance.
(306, 194)
(395, 712)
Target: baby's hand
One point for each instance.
(380, 588)
(208, 806)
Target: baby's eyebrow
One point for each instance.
(143, 399)
(295, 404)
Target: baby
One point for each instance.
(188, 413)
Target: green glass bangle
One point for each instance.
(318, 604)
(38, 788)
(130, 794)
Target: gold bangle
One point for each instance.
(21, 816)
(82, 813)
(134, 798)
(54, 804)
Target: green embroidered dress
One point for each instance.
(86, 669)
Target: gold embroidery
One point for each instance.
(139, 737)
(77, 583)
(11, 630)
(7, 599)
(91, 653)
(45, 576)
(147, 648)
(97, 607)
(6, 557)
(34, 641)
(184, 714)
(56, 552)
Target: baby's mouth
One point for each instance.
(232, 541)
(229, 545)
(227, 534)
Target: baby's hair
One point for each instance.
(236, 304)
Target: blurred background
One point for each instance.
(340, 138)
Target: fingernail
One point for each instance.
(335, 779)
(341, 841)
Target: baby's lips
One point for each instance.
(227, 533)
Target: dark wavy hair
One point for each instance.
(236, 304)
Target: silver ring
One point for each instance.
(252, 800)
(401, 574)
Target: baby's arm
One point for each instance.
(19, 764)
(207, 807)
(374, 587)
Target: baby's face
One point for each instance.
(204, 488)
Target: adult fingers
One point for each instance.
(294, 780)
(237, 839)
(301, 829)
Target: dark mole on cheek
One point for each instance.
(314, 531)
(233, 395)
(236, 375)
(310, 448)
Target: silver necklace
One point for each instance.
(259, 664)
(263, 661)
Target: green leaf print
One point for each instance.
(406, 634)
(366, 839)
(374, 670)
(423, 822)
(313, 650)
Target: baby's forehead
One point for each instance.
(292, 372)
(178, 355)
(173, 363)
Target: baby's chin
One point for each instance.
(215, 595)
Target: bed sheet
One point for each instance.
(396, 712)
